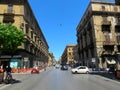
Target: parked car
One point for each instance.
(34, 71)
(64, 67)
(80, 69)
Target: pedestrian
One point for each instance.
(1, 74)
(8, 73)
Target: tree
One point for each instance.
(10, 38)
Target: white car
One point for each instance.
(57, 66)
(80, 69)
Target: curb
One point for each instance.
(2, 85)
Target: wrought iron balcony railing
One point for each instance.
(108, 42)
(9, 11)
(8, 16)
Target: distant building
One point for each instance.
(35, 50)
(51, 59)
(98, 35)
(70, 55)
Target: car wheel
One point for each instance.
(72, 72)
(87, 72)
(76, 72)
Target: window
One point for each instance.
(26, 46)
(118, 19)
(69, 49)
(106, 28)
(10, 8)
(22, 26)
(103, 8)
(115, 9)
(27, 28)
(117, 28)
(70, 53)
(31, 34)
(35, 38)
(118, 38)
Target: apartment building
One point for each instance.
(98, 35)
(35, 50)
(51, 59)
(70, 55)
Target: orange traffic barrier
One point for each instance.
(1, 70)
(23, 70)
(14, 70)
(118, 74)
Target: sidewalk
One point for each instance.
(29, 71)
(108, 75)
(22, 75)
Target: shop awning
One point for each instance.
(9, 56)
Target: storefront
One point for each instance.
(14, 61)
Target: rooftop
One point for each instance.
(102, 0)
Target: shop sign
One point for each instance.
(8, 56)
(25, 59)
(5, 56)
(17, 56)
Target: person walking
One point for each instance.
(8, 73)
(1, 74)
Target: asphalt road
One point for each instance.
(55, 79)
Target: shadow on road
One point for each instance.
(13, 81)
(108, 75)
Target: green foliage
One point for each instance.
(10, 37)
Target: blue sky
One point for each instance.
(58, 20)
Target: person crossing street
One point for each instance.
(8, 77)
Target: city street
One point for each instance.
(56, 79)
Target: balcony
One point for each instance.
(105, 22)
(109, 43)
(108, 51)
(8, 16)
(27, 37)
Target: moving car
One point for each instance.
(57, 66)
(64, 67)
(80, 69)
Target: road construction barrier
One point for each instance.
(16, 70)
(24, 70)
(118, 73)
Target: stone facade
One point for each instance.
(70, 55)
(35, 50)
(98, 35)
(51, 59)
